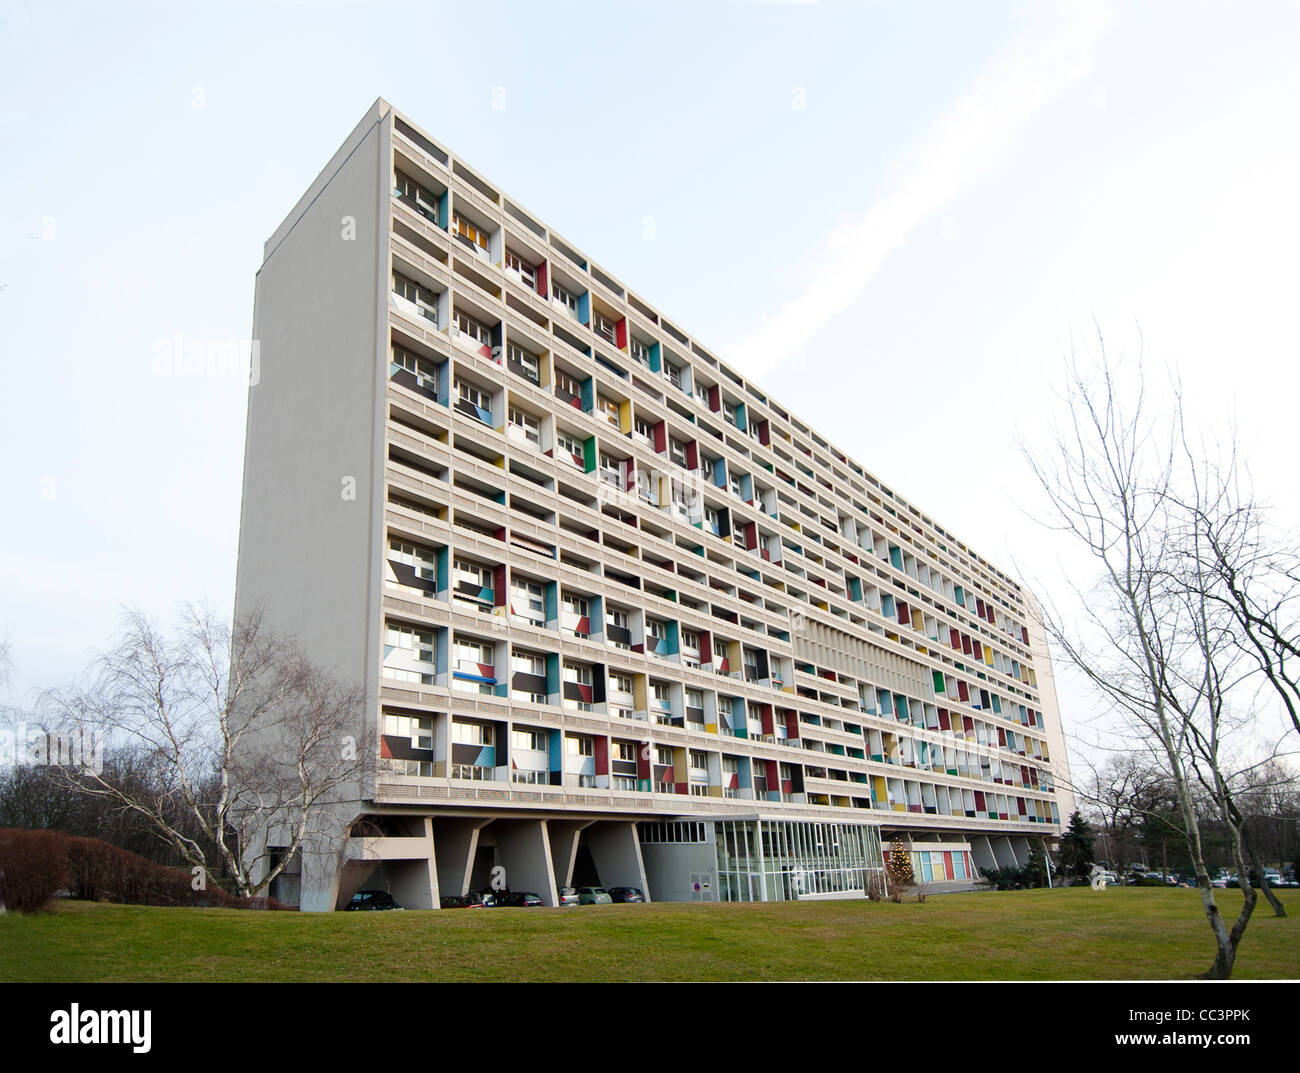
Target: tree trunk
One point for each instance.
(1278, 909)
(1227, 949)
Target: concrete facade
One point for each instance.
(593, 580)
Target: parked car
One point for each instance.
(371, 900)
(569, 896)
(594, 896)
(518, 899)
(473, 900)
(486, 898)
(626, 894)
(458, 901)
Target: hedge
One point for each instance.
(35, 865)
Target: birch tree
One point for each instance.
(241, 733)
(1115, 481)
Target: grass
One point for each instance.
(1075, 934)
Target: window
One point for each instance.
(640, 352)
(729, 414)
(528, 663)
(472, 653)
(577, 674)
(472, 661)
(734, 481)
(624, 782)
(690, 648)
(527, 603)
(480, 333)
(471, 733)
(420, 768)
(663, 755)
(529, 363)
(475, 397)
(603, 327)
(424, 202)
(418, 728)
(576, 612)
(645, 487)
(530, 778)
(424, 371)
(472, 235)
(663, 696)
(411, 656)
(681, 499)
(677, 451)
(674, 374)
(565, 298)
(526, 271)
(580, 746)
(643, 430)
(567, 383)
(527, 426)
(420, 559)
(531, 664)
(421, 296)
(471, 771)
(608, 407)
(625, 751)
(695, 699)
(621, 684)
(566, 441)
(472, 584)
(713, 518)
(530, 740)
(611, 470)
(619, 621)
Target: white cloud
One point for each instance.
(958, 149)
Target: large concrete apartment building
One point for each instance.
(621, 618)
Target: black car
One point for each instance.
(519, 899)
(371, 899)
(626, 894)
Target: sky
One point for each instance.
(896, 218)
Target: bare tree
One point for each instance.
(1254, 574)
(1226, 556)
(6, 660)
(1116, 482)
(241, 736)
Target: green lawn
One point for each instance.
(1136, 933)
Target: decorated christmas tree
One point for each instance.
(900, 866)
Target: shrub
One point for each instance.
(101, 872)
(33, 868)
(36, 864)
(875, 885)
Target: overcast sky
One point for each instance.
(895, 217)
